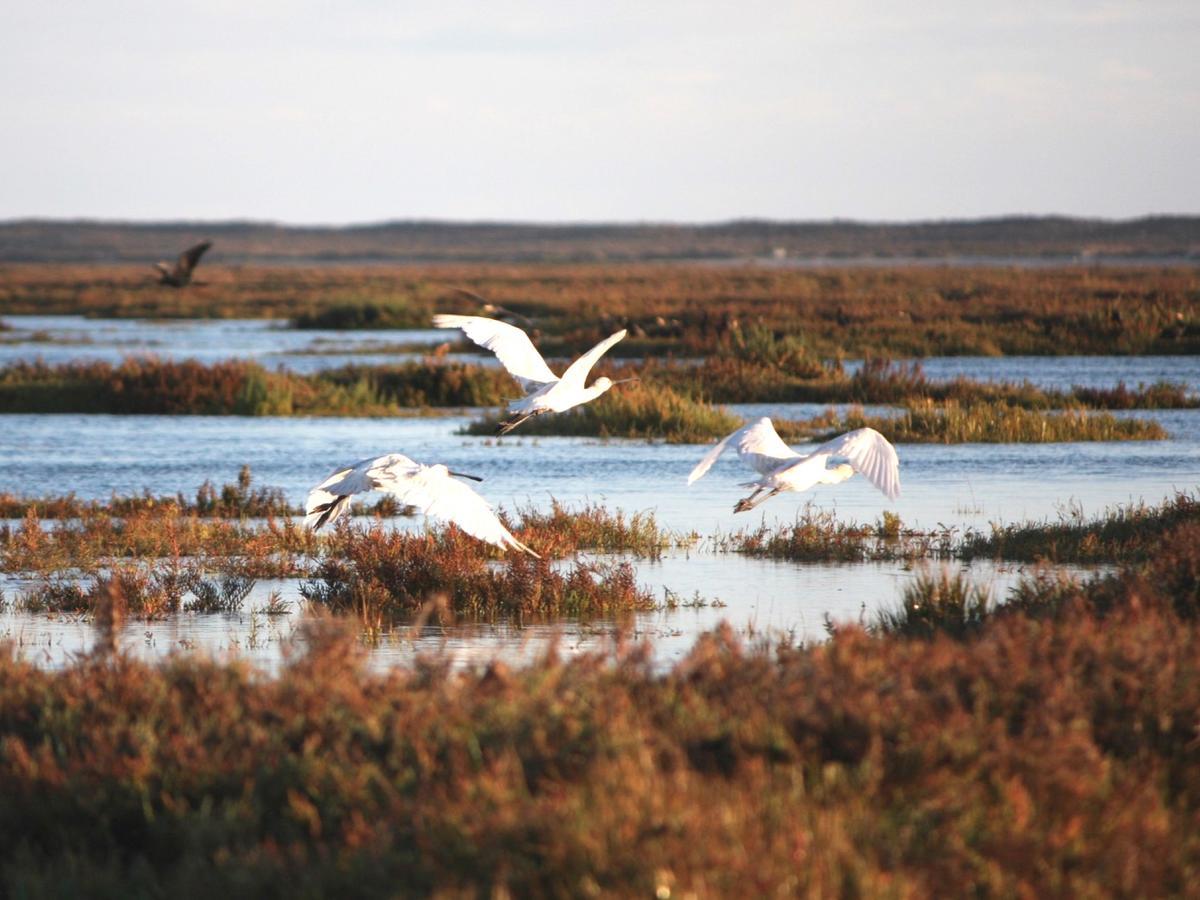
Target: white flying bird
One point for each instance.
(430, 489)
(863, 450)
(545, 391)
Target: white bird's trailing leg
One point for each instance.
(513, 421)
(748, 503)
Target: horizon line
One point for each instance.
(428, 221)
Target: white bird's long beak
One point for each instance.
(624, 380)
(465, 475)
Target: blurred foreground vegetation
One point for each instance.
(1046, 746)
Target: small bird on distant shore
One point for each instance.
(180, 274)
(863, 450)
(431, 489)
(545, 391)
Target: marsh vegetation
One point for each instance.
(867, 763)
(687, 311)
(1040, 740)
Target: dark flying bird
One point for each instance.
(496, 311)
(180, 274)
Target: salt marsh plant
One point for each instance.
(991, 423)
(1122, 534)
(245, 388)
(943, 602)
(562, 530)
(819, 536)
(143, 385)
(687, 310)
(1021, 755)
(640, 411)
(382, 575)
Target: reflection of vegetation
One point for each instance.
(684, 310)
(1049, 741)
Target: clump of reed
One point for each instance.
(944, 602)
(641, 410)
(362, 314)
(819, 536)
(146, 385)
(1158, 395)
(144, 592)
(1014, 755)
(563, 530)
(237, 500)
(1122, 534)
(724, 378)
(98, 537)
(380, 575)
(954, 423)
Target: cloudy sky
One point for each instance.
(361, 110)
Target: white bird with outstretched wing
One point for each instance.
(863, 450)
(431, 489)
(545, 391)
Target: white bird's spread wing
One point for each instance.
(577, 372)
(869, 453)
(762, 449)
(439, 495)
(510, 344)
(757, 445)
(326, 501)
(429, 488)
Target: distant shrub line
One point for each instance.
(686, 310)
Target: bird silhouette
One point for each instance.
(180, 274)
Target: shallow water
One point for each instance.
(962, 487)
(959, 487)
(60, 339)
(272, 342)
(760, 599)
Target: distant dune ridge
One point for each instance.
(86, 241)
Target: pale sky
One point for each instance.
(364, 110)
